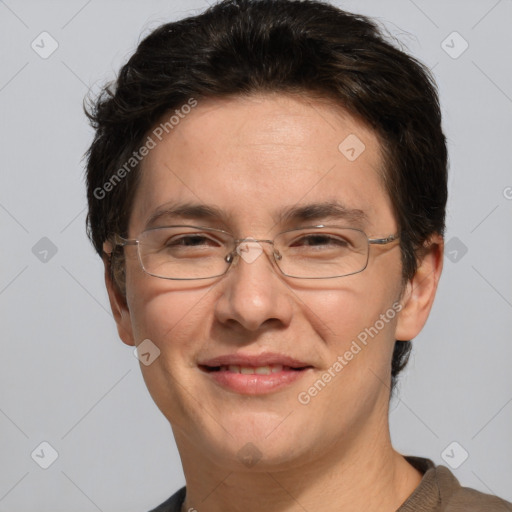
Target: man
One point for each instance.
(267, 189)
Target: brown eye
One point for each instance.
(190, 241)
(319, 240)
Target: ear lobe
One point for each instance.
(119, 307)
(420, 291)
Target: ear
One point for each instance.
(118, 305)
(420, 291)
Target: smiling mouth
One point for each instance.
(253, 370)
(254, 380)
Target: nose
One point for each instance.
(253, 292)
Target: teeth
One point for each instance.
(250, 370)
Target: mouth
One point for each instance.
(254, 375)
(253, 370)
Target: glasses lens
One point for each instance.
(184, 252)
(321, 253)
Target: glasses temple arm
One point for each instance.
(383, 241)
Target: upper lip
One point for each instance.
(254, 360)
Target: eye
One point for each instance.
(319, 240)
(195, 240)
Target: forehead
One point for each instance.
(253, 158)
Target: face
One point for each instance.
(252, 159)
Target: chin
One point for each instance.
(252, 441)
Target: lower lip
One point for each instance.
(256, 384)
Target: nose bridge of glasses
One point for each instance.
(238, 241)
(249, 249)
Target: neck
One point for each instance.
(365, 473)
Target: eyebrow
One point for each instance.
(195, 211)
(329, 210)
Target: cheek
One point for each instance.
(357, 331)
(172, 319)
(176, 322)
(356, 322)
(169, 313)
(340, 315)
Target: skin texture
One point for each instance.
(249, 157)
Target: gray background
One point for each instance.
(66, 378)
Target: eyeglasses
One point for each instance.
(193, 252)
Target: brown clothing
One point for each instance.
(438, 491)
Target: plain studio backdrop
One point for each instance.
(68, 381)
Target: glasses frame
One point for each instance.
(118, 240)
